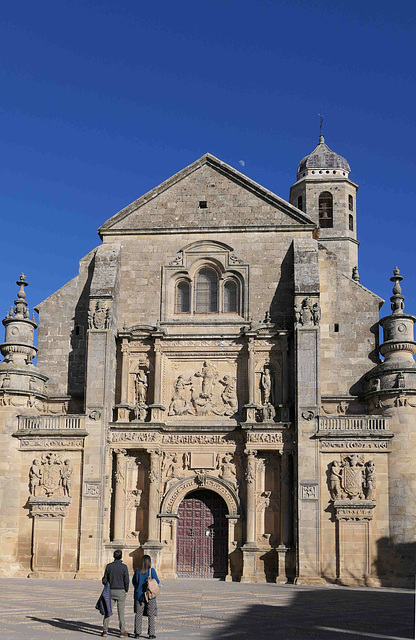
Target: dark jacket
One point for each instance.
(117, 574)
(104, 602)
(140, 583)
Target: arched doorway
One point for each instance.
(202, 536)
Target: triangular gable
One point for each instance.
(233, 201)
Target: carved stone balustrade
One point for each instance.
(51, 423)
(353, 424)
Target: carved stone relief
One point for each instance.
(99, 315)
(206, 398)
(50, 476)
(352, 478)
(308, 313)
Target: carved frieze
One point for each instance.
(360, 445)
(265, 438)
(48, 507)
(51, 443)
(133, 436)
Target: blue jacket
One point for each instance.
(140, 584)
(104, 602)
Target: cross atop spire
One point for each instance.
(321, 135)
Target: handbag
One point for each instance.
(152, 589)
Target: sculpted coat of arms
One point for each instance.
(352, 478)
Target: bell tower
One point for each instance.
(325, 193)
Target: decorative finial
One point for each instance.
(355, 274)
(397, 304)
(321, 135)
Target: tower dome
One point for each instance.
(323, 160)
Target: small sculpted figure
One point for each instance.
(316, 313)
(208, 374)
(35, 477)
(66, 475)
(141, 385)
(369, 480)
(266, 386)
(229, 396)
(335, 480)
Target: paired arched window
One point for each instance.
(208, 294)
(326, 220)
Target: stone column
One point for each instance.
(119, 495)
(153, 495)
(286, 498)
(250, 549)
(251, 498)
(153, 547)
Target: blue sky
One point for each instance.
(101, 101)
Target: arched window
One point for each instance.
(230, 297)
(351, 222)
(206, 296)
(183, 299)
(325, 210)
(350, 203)
(300, 203)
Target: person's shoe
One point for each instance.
(152, 636)
(124, 634)
(103, 633)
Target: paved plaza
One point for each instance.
(208, 609)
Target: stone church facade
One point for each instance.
(209, 390)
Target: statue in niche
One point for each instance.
(229, 396)
(180, 405)
(66, 475)
(35, 477)
(141, 386)
(298, 316)
(172, 467)
(209, 374)
(227, 470)
(266, 386)
(100, 317)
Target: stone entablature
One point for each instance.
(168, 378)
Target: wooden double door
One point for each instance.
(202, 536)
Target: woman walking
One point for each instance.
(140, 579)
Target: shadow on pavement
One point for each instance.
(326, 614)
(71, 625)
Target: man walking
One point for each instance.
(117, 574)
